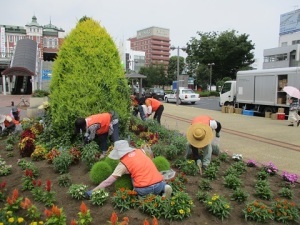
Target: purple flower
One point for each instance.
(252, 163)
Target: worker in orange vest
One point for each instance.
(99, 127)
(153, 105)
(145, 176)
(200, 138)
(7, 124)
(138, 104)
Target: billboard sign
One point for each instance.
(290, 22)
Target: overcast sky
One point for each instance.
(122, 18)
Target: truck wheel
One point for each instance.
(193, 103)
(167, 100)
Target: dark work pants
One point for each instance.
(158, 113)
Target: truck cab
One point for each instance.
(228, 93)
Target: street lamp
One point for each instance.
(177, 86)
(210, 73)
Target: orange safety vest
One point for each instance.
(153, 102)
(6, 123)
(202, 119)
(103, 119)
(141, 168)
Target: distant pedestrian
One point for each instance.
(293, 112)
(156, 106)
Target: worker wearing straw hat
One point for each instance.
(200, 137)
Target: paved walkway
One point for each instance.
(258, 138)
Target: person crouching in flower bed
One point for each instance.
(144, 174)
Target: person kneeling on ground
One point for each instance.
(7, 125)
(200, 136)
(144, 174)
(99, 127)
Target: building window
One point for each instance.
(295, 42)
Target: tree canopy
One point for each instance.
(228, 50)
(87, 77)
(155, 75)
(172, 68)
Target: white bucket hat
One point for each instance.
(120, 149)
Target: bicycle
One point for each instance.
(24, 103)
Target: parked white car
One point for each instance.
(186, 95)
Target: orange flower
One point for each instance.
(15, 194)
(83, 208)
(126, 219)
(48, 213)
(73, 222)
(154, 221)
(9, 201)
(56, 210)
(114, 218)
(146, 222)
(26, 203)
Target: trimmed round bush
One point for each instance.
(124, 182)
(113, 163)
(100, 171)
(161, 163)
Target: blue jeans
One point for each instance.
(156, 189)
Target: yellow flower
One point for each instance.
(188, 210)
(172, 203)
(11, 220)
(181, 211)
(1, 223)
(191, 202)
(210, 203)
(41, 222)
(227, 206)
(33, 223)
(9, 212)
(20, 220)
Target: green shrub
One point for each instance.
(232, 181)
(161, 163)
(100, 171)
(87, 77)
(239, 195)
(159, 148)
(124, 182)
(113, 163)
(90, 153)
(64, 180)
(40, 93)
(62, 162)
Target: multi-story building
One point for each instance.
(287, 54)
(48, 38)
(155, 42)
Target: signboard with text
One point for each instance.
(46, 74)
(290, 22)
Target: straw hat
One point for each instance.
(199, 135)
(120, 149)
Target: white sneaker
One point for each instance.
(168, 191)
(199, 164)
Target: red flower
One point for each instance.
(26, 203)
(114, 218)
(3, 185)
(83, 208)
(56, 210)
(73, 222)
(146, 222)
(48, 185)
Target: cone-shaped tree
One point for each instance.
(87, 77)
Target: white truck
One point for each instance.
(260, 90)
